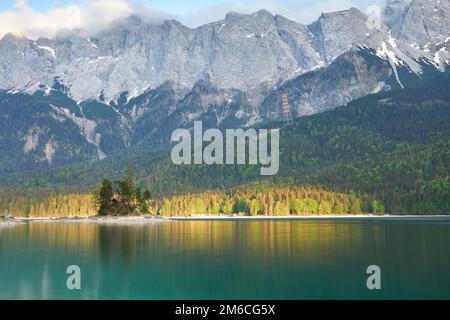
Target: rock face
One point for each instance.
(240, 52)
(420, 22)
(75, 98)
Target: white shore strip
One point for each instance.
(312, 217)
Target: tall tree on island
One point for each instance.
(104, 198)
(127, 191)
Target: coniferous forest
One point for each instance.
(385, 153)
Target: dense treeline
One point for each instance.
(253, 201)
(53, 206)
(393, 147)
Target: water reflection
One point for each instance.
(223, 260)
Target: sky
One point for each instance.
(34, 18)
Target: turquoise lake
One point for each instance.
(288, 259)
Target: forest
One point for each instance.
(124, 198)
(262, 200)
(389, 150)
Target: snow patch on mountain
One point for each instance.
(385, 53)
(48, 49)
(91, 43)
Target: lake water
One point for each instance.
(311, 259)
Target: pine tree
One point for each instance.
(104, 198)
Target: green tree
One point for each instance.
(143, 208)
(227, 206)
(355, 207)
(338, 208)
(146, 196)
(325, 207)
(138, 194)
(312, 205)
(377, 207)
(255, 207)
(104, 198)
(299, 206)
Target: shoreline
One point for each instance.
(312, 217)
(151, 219)
(9, 222)
(96, 220)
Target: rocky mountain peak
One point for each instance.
(243, 51)
(261, 17)
(336, 32)
(263, 14)
(14, 38)
(352, 13)
(394, 10)
(420, 23)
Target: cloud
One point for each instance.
(94, 15)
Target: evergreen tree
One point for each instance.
(104, 198)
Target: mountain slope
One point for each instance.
(75, 98)
(393, 147)
(44, 130)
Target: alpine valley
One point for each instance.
(370, 102)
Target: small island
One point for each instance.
(127, 200)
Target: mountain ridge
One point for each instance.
(239, 52)
(77, 98)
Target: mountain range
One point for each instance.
(77, 97)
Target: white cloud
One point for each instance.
(93, 15)
(90, 15)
